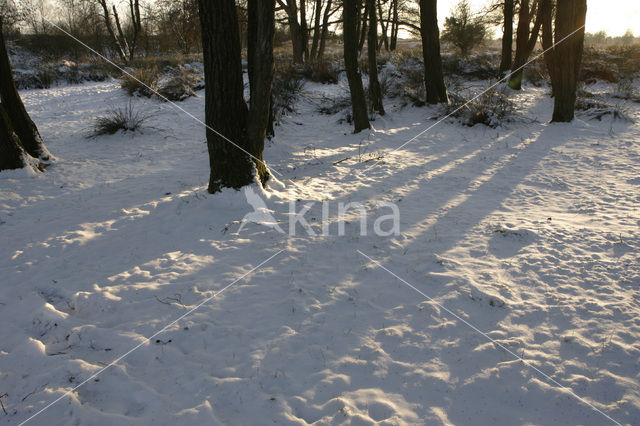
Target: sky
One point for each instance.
(613, 16)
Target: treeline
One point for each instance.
(236, 146)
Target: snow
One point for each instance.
(529, 232)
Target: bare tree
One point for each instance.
(350, 35)
(564, 56)
(296, 20)
(526, 39)
(433, 77)
(236, 164)
(125, 44)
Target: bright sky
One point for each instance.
(613, 16)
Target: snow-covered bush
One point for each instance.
(141, 82)
(492, 108)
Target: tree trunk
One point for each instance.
(325, 30)
(546, 14)
(316, 29)
(394, 27)
(433, 77)
(225, 108)
(364, 24)
(384, 26)
(350, 35)
(507, 38)
(17, 117)
(375, 92)
(304, 30)
(261, 31)
(525, 41)
(567, 57)
(12, 155)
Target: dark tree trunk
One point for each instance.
(525, 41)
(295, 30)
(384, 26)
(546, 17)
(17, 116)
(375, 92)
(394, 27)
(567, 57)
(507, 38)
(12, 155)
(364, 20)
(325, 30)
(304, 30)
(230, 146)
(433, 77)
(316, 29)
(350, 35)
(261, 31)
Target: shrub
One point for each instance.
(116, 119)
(46, 78)
(627, 90)
(595, 109)
(405, 81)
(142, 82)
(491, 108)
(178, 84)
(335, 104)
(320, 72)
(287, 86)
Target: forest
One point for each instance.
(319, 212)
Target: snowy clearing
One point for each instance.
(528, 231)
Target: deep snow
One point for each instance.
(529, 232)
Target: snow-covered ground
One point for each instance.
(528, 232)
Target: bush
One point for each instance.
(336, 104)
(595, 109)
(142, 82)
(320, 72)
(287, 86)
(46, 78)
(125, 119)
(491, 108)
(178, 84)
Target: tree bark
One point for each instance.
(567, 57)
(375, 92)
(12, 155)
(17, 117)
(350, 35)
(261, 31)
(433, 76)
(507, 38)
(225, 108)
